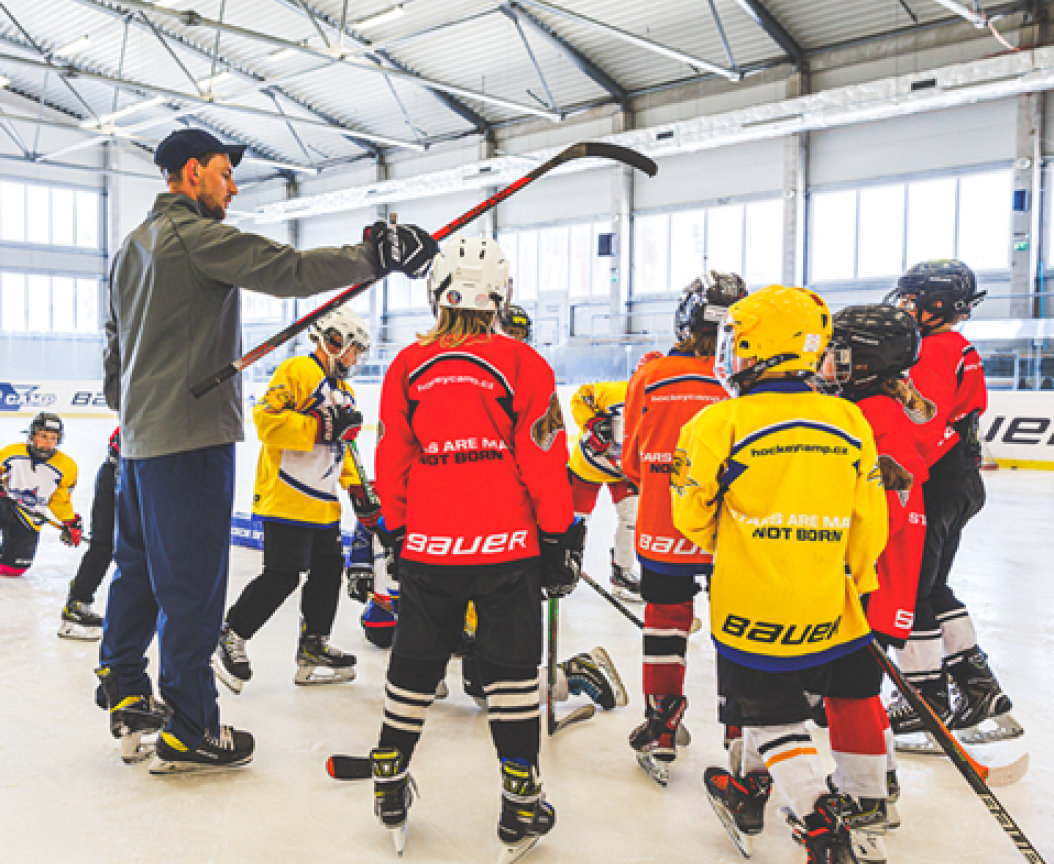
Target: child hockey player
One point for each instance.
(940, 294)
(595, 463)
(663, 395)
(781, 485)
(35, 474)
(471, 420)
(871, 350)
(78, 620)
(307, 423)
(515, 322)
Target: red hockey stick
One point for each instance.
(586, 149)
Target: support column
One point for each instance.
(622, 226)
(378, 294)
(1025, 218)
(795, 193)
(488, 222)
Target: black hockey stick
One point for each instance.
(614, 601)
(553, 725)
(974, 772)
(349, 767)
(586, 149)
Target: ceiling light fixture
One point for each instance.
(71, 48)
(213, 80)
(387, 15)
(4, 81)
(127, 111)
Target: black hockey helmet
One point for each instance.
(869, 345)
(704, 302)
(945, 288)
(515, 322)
(45, 421)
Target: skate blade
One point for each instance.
(683, 736)
(1001, 728)
(163, 767)
(69, 630)
(603, 660)
(921, 743)
(892, 815)
(658, 770)
(399, 838)
(134, 749)
(740, 839)
(309, 676)
(627, 595)
(229, 681)
(868, 846)
(515, 851)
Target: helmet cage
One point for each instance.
(45, 421)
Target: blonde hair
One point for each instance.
(455, 327)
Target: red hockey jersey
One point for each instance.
(950, 374)
(664, 395)
(891, 609)
(472, 458)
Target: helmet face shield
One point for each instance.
(836, 367)
(342, 336)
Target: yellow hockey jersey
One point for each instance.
(297, 479)
(606, 398)
(35, 484)
(782, 485)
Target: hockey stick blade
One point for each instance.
(586, 149)
(583, 713)
(349, 767)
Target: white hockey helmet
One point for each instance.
(338, 330)
(470, 273)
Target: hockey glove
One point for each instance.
(336, 423)
(72, 531)
(600, 435)
(366, 505)
(562, 559)
(360, 582)
(402, 248)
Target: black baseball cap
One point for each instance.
(184, 144)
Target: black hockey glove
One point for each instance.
(402, 248)
(360, 582)
(366, 505)
(336, 423)
(600, 435)
(562, 559)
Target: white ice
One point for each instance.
(66, 796)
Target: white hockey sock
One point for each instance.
(921, 658)
(626, 511)
(891, 749)
(957, 631)
(792, 760)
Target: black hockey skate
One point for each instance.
(594, 675)
(656, 739)
(132, 718)
(79, 622)
(231, 748)
(230, 662)
(739, 803)
(823, 832)
(525, 814)
(626, 585)
(319, 663)
(982, 711)
(393, 792)
(909, 731)
(867, 820)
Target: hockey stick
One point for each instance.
(585, 149)
(42, 519)
(553, 725)
(974, 772)
(612, 599)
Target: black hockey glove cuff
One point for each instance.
(360, 582)
(562, 559)
(392, 541)
(366, 505)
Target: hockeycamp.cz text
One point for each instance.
(790, 449)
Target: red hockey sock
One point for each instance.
(666, 628)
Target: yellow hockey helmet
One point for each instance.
(781, 331)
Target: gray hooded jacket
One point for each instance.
(175, 317)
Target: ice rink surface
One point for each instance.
(66, 796)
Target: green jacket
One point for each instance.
(175, 317)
